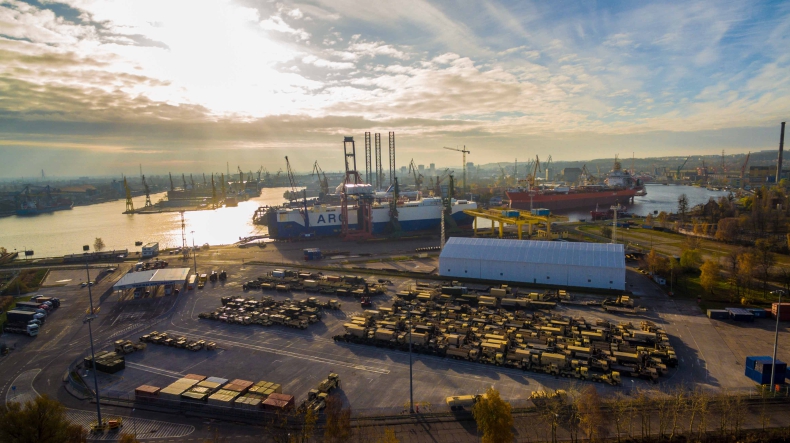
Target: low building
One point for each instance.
(563, 264)
(151, 250)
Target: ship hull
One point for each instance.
(327, 222)
(45, 210)
(556, 202)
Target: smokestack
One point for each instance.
(781, 148)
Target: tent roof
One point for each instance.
(603, 255)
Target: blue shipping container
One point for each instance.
(758, 369)
(542, 212)
(759, 313)
(740, 314)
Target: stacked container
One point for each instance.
(784, 313)
(758, 369)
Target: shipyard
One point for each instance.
(396, 296)
(394, 222)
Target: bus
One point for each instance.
(192, 282)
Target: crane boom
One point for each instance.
(292, 181)
(417, 176)
(743, 166)
(464, 151)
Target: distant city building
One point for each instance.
(421, 168)
(571, 174)
(433, 168)
(765, 174)
(549, 174)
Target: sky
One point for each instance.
(101, 87)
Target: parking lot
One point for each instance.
(375, 379)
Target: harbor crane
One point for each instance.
(172, 186)
(204, 179)
(743, 166)
(192, 181)
(546, 168)
(292, 181)
(184, 180)
(241, 177)
(322, 180)
(464, 151)
(147, 193)
(677, 175)
(221, 183)
(418, 178)
(129, 203)
(535, 170)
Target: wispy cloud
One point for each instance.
(232, 74)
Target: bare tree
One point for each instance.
(338, 421)
(98, 244)
(591, 418)
(620, 407)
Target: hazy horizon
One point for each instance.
(88, 86)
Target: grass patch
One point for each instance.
(28, 281)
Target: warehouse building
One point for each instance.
(583, 265)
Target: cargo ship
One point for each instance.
(619, 187)
(325, 220)
(35, 207)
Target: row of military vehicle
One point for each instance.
(163, 338)
(569, 347)
(267, 311)
(288, 280)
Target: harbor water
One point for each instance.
(65, 232)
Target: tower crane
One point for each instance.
(464, 151)
(418, 178)
(322, 180)
(292, 182)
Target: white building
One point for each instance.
(151, 250)
(584, 265)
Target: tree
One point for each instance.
(690, 259)
(727, 230)
(683, 206)
(745, 269)
(764, 260)
(388, 437)
(649, 220)
(592, 419)
(40, 420)
(711, 274)
(128, 438)
(494, 418)
(606, 231)
(98, 244)
(3, 250)
(338, 420)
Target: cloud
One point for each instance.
(277, 24)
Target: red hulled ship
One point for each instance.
(619, 187)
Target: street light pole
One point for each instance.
(194, 252)
(411, 381)
(89, 319)
(776, 336)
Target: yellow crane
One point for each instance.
(464, 151)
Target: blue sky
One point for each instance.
(189, 85)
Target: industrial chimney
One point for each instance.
(781, 148)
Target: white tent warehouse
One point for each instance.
(584, 265)
(154, 277)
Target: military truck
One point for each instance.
(461, 402)
(127, 347)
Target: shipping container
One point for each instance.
(759, 312)
(740, 314)
(758, 369)
(541, 212)
(718, 314)
(784, 312)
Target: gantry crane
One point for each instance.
(464, 151)
(322, 180)
(418, 178)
